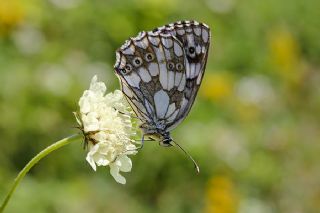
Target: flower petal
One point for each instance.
(98, 87)
(114, 171)
(90, 160)
(126, 164)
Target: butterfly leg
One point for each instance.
(131, 116)
(142, 141)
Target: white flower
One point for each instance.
(106, 124)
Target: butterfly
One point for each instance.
(160, 72)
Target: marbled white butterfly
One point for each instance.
(160, 72)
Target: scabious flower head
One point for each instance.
(106, 124)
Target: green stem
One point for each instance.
(35, 160)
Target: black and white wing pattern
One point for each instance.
(195, 38)
(151, 71)
(160, 72)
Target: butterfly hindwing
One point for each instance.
(195, 38)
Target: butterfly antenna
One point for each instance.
(190, 157)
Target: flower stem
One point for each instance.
(35, 160)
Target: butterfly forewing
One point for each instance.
(151, 71)
(161, 71)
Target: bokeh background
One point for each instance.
(254, 129)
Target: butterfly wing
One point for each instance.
(151, 69)
(161, 71)
(195, 38)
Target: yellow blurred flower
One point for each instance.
(217, 87)
(247, 112)
(11, 13)
(284, 50)
(221, 196)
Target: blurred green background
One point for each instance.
(254, 129)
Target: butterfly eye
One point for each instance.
(149, 57)
(137, 61)
(191, 50)
(170, 65)
(179, 66)
(127, 68)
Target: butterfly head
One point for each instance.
(165, 140)
(160, 135)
